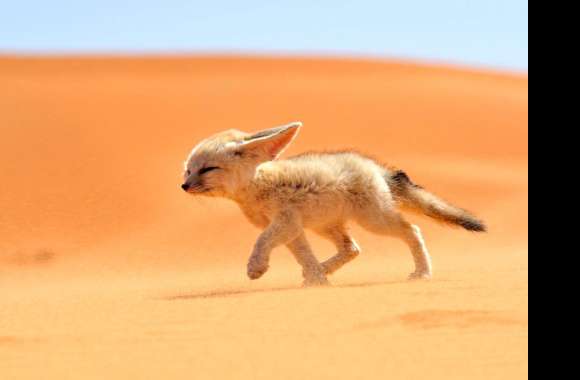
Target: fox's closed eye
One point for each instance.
(208, 169)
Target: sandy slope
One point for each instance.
(108, 271)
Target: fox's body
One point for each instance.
(325, 189)
(322, 192)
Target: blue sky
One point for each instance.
(491, 33)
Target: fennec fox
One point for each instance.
(316, 191)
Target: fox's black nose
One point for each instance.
(185, 187)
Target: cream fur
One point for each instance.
(317, 191)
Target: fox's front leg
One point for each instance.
(312, 271)
(283, 229)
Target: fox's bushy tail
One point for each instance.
(415, 198)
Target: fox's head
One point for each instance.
(226, 162)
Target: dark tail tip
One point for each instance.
(473, 225)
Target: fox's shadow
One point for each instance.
(227, 293)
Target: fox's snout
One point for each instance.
(190, 186)
(194, 186)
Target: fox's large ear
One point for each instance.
(272, 142)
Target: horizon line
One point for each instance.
(274, 55)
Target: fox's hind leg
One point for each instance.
(311, 269)
(423, 265)
(391, 223)
(348, 249)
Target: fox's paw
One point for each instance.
(420, 276)
(315, 282)
(256, 269)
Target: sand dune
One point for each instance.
(108, 271)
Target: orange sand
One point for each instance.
(108, 271)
